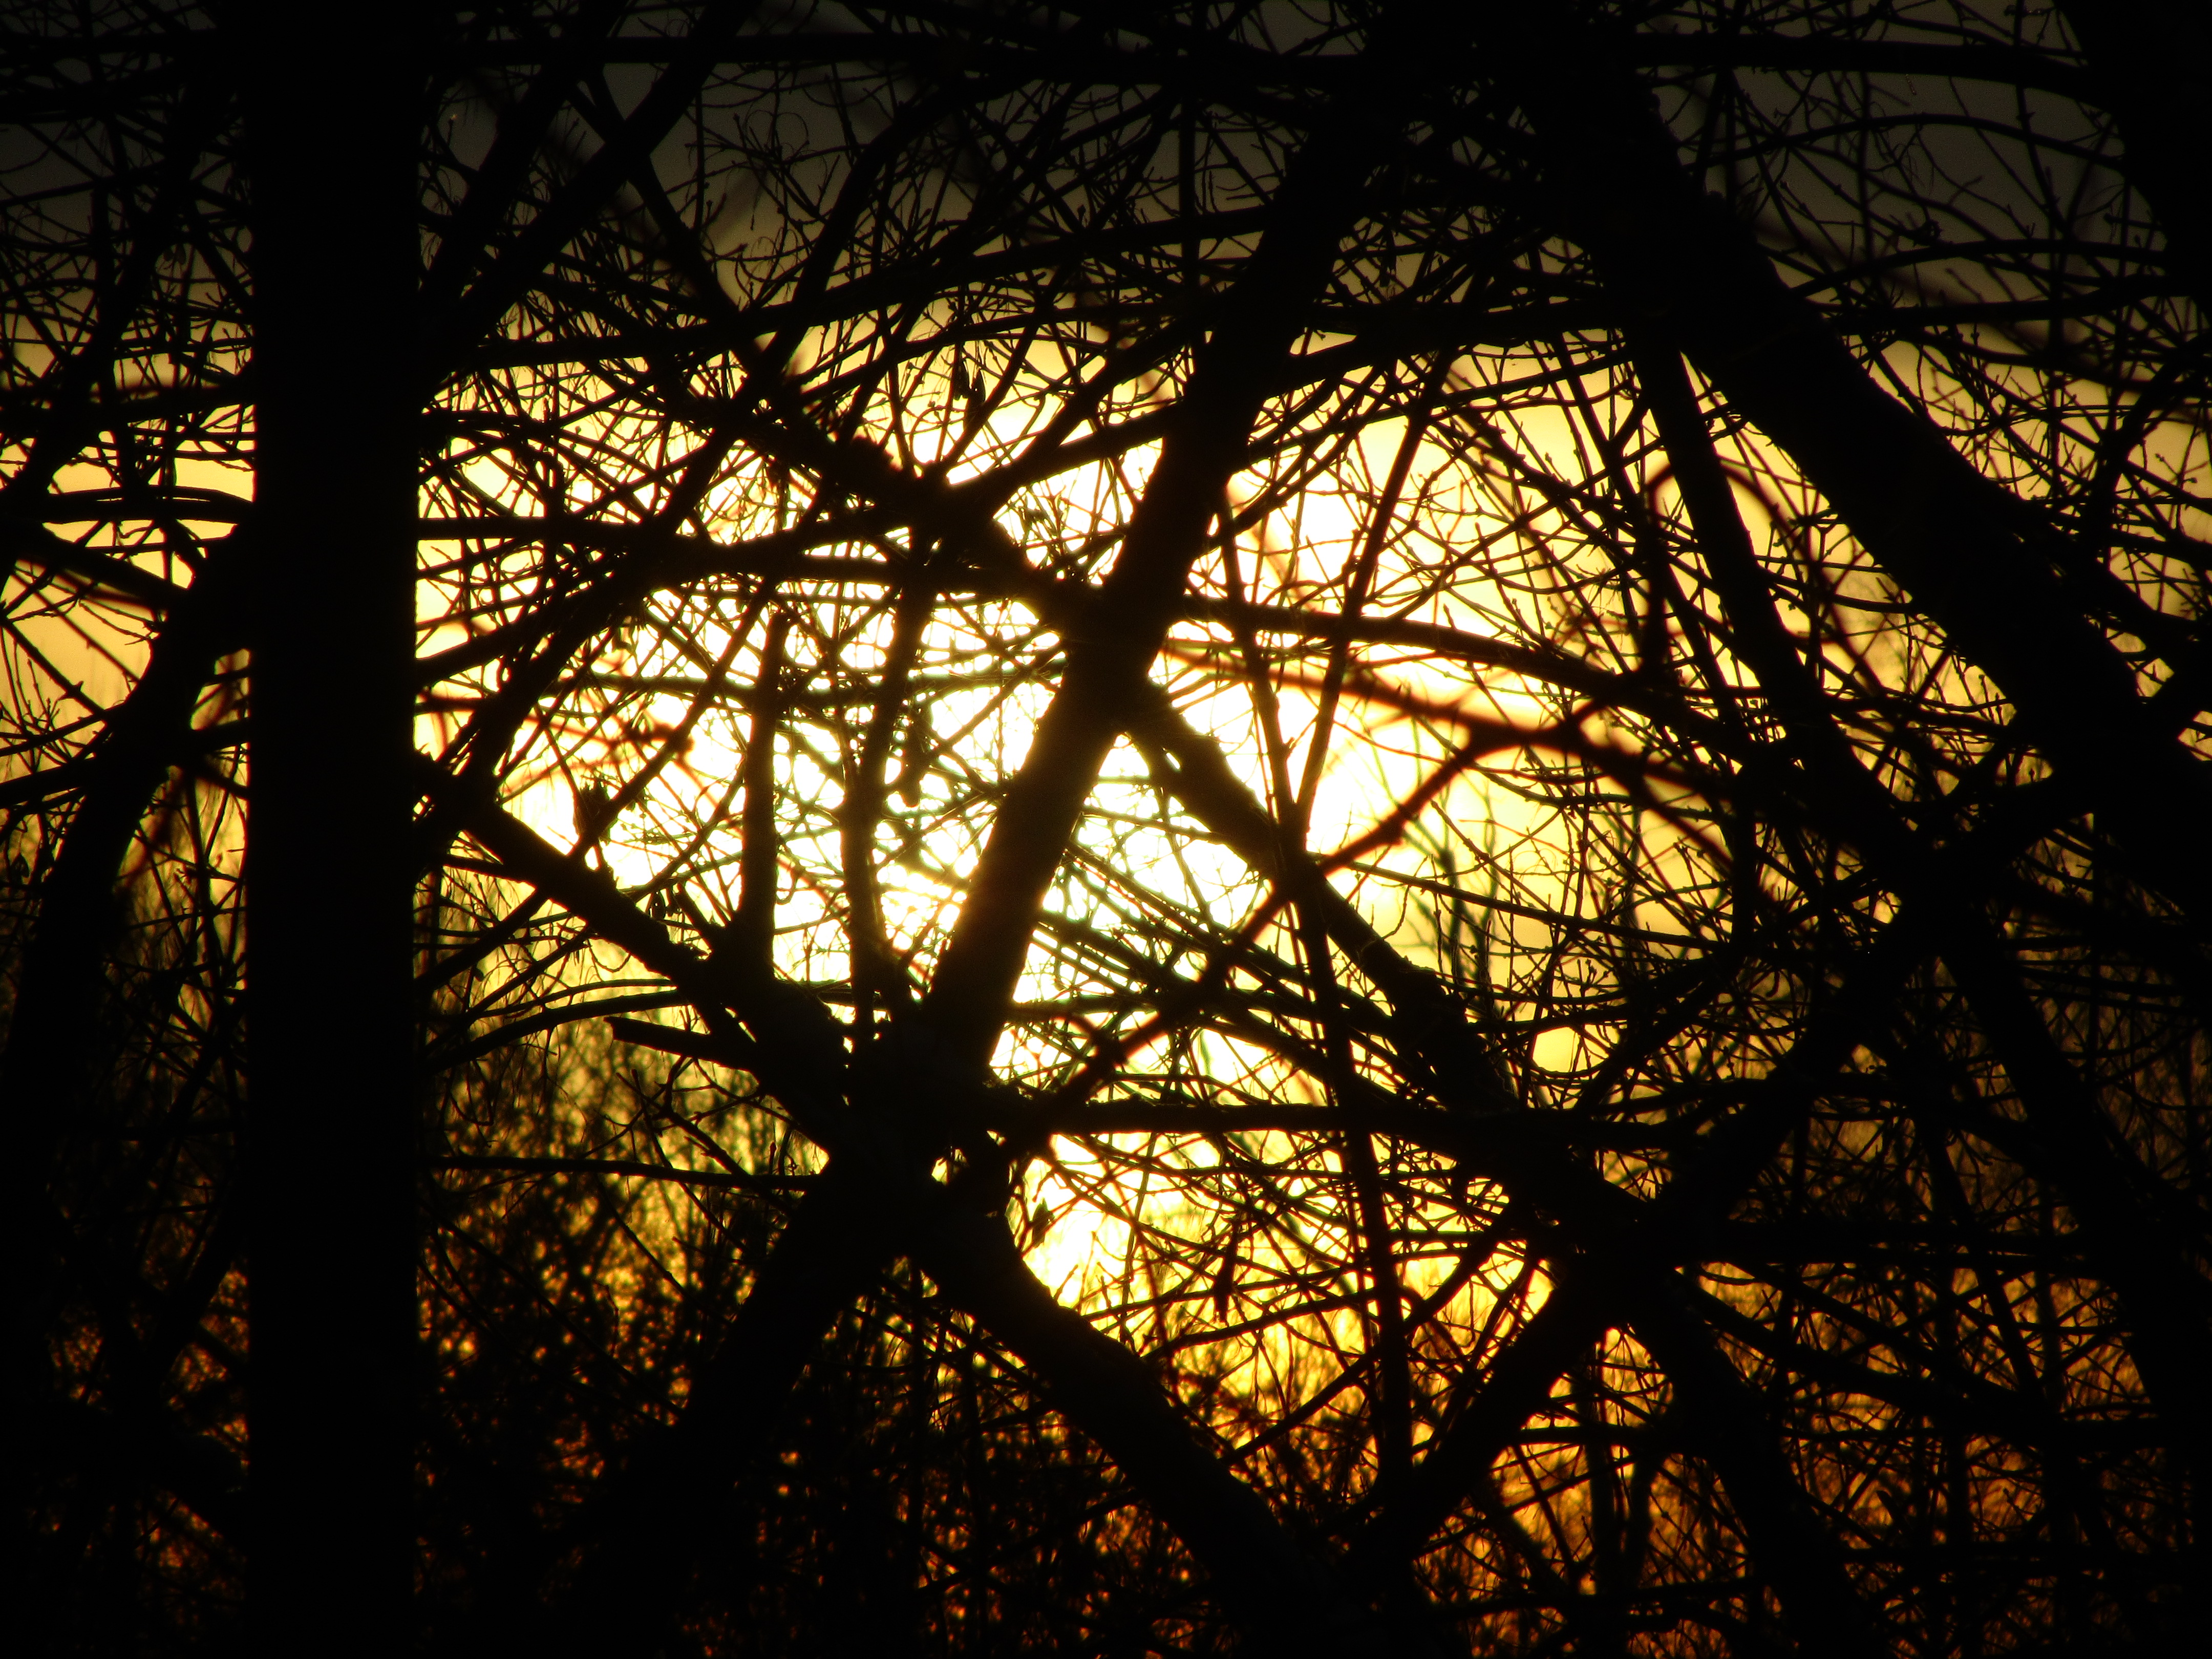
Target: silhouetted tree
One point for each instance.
(1334, 829)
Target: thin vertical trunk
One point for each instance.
(330, 144)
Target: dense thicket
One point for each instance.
(1274, 827)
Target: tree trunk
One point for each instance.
(335, 261)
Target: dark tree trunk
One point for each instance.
(2149, 58)
(330, 143)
